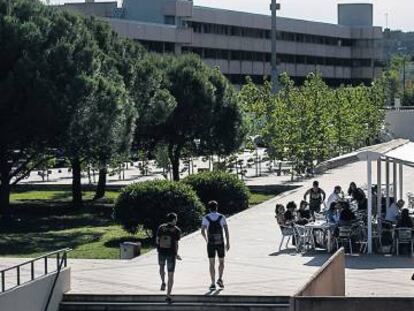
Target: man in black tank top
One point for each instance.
(316, 198)
(212, 229)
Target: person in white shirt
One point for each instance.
(212, 228)
(393, 211)
(335, 196)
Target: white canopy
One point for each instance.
(398, 152)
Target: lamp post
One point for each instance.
(197, 142)
(274, 6)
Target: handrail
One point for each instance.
(400, 108)
(45, 257)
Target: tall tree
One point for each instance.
(27, 126)
(204, 99)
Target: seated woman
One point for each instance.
(358, 195)
(332, 216)
(304, 214)
(405, 220)
(346, 216)
(279, 214)
(290, 214)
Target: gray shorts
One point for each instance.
(170, 260)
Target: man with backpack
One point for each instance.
(212, 228)
(168, 235)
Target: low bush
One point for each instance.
(230, 192)
(146, 204)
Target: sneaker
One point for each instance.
(168, 300)
(220, 283)
(213, 286)
(163, 287)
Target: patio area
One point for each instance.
(254, 265)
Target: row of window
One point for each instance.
(239, 79)
(281, 58)
(227, 30)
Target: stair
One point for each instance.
(74, 302)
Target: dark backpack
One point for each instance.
(215, 231)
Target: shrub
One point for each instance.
(230, 192)
(147, 203)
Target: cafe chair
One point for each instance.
(403, 236)
(304, 238)
(344, 237)
(287, 233)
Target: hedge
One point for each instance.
(230, 192)
(147, 203)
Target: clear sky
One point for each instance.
(400, 12)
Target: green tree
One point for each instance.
(205, 105)
(27, 125)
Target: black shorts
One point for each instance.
(212, 250)
(169, 259)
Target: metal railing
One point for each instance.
(61, 261)
(401, 108)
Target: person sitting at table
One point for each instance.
(393, 212)
(405, 220)
(335, 196)
(303, 215)
(358, 195)
(332, 216)
(279, 214)
(346, 215)
(289, 215)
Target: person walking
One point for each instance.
(316, 197)
(167, 238)
(212, 227)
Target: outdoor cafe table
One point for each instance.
(323, 226)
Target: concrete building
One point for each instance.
(239, 42)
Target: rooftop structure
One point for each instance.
(240, 42)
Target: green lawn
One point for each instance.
(257, 198)
(57, 196)
(44, 221)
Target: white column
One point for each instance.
(369, 220)
(379, 187)
(387, 182)
(394, 179)
(401, 181)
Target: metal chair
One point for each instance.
(287, 232)
(344, 237)
(376, 238)
(304, 238)
(404, 236)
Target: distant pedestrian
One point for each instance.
(168, 235)
(316, 198)
(212, 228)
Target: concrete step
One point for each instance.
(85, 302)
(177, 298)
(175, 306)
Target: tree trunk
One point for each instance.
(101, 187)
(4, 188)
(76, 183)
(174, 156)
(5, 196)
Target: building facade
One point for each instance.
(239, 42)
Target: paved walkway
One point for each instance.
(253, 267)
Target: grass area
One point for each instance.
(257, 198)
(90, 232)
(44, 221)
(57, 196)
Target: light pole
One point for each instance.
(274, 6)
